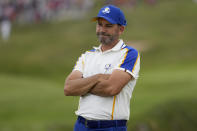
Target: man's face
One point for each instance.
(106, 32)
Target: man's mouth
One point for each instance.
(103, 34)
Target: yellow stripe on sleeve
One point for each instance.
(135, 62)
(82, 64)
(124, 57)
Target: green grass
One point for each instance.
(37, 58)
(40, 104)
(30, 103)
(161, 85)
(176, 115)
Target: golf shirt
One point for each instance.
(120, 57)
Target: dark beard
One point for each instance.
(108, 40)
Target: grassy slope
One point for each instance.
(34, 63)
(40, 104)
(34, 104)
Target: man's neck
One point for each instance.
(105, 47)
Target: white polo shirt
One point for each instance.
(121, 57)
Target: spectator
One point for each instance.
(7, 10)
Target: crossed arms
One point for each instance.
(99, 84)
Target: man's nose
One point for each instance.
(102, 29)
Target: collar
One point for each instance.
(117, 47)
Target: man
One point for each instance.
(105, 77)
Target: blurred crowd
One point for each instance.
(25, 11)
(130, 3)
(36, 10)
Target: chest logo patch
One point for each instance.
(108, 66)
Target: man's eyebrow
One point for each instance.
(109, 24)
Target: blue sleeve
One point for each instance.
(130, 60)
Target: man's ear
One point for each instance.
(121, 29)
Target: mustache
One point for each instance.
(102, 33)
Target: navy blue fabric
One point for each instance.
(110, 125)
(92, 50)
(130, 60)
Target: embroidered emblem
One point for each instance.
(106, 10)
(107, 67)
